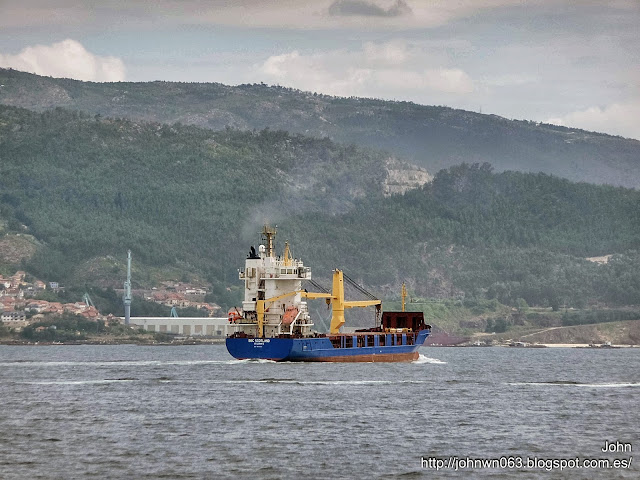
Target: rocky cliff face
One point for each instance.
(402, 177)
(17, 247)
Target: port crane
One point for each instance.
(87, 300)
(127, 291)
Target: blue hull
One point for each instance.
(322, 350)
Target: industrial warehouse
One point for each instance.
(187, 326)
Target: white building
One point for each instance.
(187, 326)
(14, 319)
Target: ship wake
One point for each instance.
(422, 359)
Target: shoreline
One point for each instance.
(549, 345)
(221, 341)
(18, 343)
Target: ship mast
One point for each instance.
(268, 235)
(287, 261)
(404, 295)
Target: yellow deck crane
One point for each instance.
(404, 295)
(335, 298)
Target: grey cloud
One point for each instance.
(361, 8)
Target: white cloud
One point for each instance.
(616, 119)
(393, 70)
(294, 14)
(362, 8)
(445, 80)
(394, 52)
(67, 59)
(331, 14)
(509, 79)
(324, 73)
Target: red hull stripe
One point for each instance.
(378, 357)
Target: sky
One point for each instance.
(569, 62)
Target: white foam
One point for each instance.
(571, 384)
(126, 363)
(609, 385)
(78, 382)
(322, 382)
(423, 359)
(347, 382)
(360, 382)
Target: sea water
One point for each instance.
(178, 412)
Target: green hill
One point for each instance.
(505, 236)
(190, 201)
(432, 137)
(92, 186)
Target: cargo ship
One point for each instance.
(274, 321)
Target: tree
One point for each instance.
(521, 305)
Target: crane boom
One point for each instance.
(335, 298)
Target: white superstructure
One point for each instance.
(273, 303)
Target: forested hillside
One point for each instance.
(505, 236)
(189, 202)
(433, 137)
(173, 194)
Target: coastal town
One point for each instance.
(22, 301)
